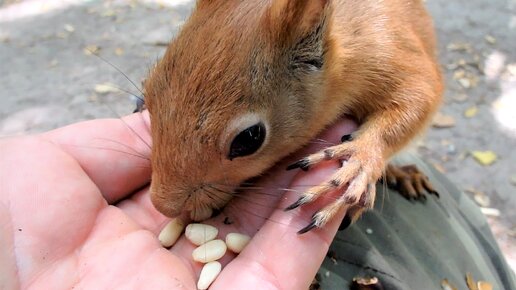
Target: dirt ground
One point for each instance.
(49, 78)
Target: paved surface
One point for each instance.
(49, 80)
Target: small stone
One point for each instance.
(369, 231)
(464, 82)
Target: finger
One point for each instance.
(113, 152)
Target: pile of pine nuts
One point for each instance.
(209, 249)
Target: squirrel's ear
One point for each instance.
(291, 19)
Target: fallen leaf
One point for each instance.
(443, 121)
(483, 285)
(108, 13)
(471, 282)
(490, 39)
(459, 46)
(492, 212)
(459, 74)
(69, 28)
(91, 49)
(366, 283)
(460, 98)
(485, 158)
(471, 112)
(119, 51)
(480, 198)
(106, 88)
(439, 168)
(445, 285)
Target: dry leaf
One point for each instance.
(445, 285)
(492, 212)
(459, 46)
(485, 158)
(459, 74)
(366, 283)
(490, 39)
(439, 168)
(108, 13)
(460, 98)
(480, 198)
(119, 51)
(69, 28)
(91, 49)
(471, 282)
(106, 88)
(443, 121)
(471, 112)
(483, 285)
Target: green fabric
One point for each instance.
(415, 245)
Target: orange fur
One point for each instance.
(236, 57)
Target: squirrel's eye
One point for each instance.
(247, 142)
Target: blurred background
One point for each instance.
(49, 77)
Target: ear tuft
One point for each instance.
(292, 19)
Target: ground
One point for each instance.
(50, 78)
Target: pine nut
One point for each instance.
(209, 252)
(200, 234)
(236, 242)
(209, 273)
(171, 232)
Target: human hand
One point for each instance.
(75, 213)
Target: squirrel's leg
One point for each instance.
(363, 157)
(408, 181)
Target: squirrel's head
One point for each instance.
(232, 95)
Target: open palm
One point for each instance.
(75, 213)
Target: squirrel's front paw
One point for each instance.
(361, 168)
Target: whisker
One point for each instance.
(110, 149)
(119, 70)
(126, 146)
(125, 91)
(241, 208)
(129, 127)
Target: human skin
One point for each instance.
(75, 213)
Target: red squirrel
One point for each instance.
(246, 83)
